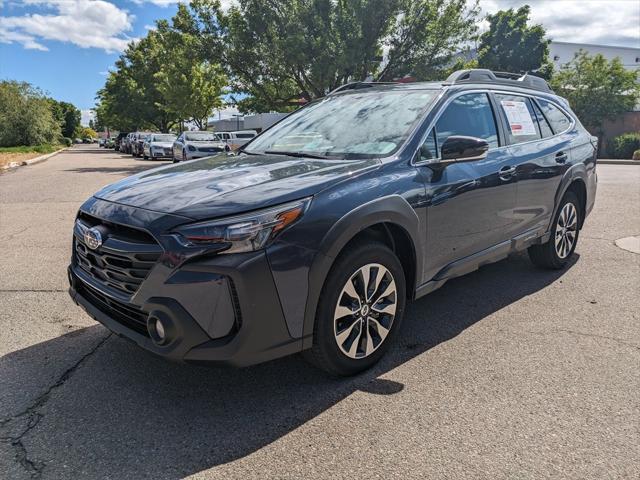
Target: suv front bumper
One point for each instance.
(224, 309)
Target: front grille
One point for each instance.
(210, 149)
(127, 315)
(124, 259)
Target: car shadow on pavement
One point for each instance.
(116, 170)
(122, 412)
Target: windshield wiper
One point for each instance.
(296, 154)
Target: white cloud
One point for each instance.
(85, 23)
(165, 3)
(160, 3)
(606, 22)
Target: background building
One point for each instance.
(256, 122)
(561, 53)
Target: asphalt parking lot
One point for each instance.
(508, 373)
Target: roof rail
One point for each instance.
(358, 86)
(482, 75)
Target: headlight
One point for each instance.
(191, 148)
(244, 233)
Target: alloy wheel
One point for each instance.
(365, 311)
(566, 230)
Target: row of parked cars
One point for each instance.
(182, 147)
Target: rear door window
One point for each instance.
(469, 115)
(557, 119)
(520, 118)
(545, 128)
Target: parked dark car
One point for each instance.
(315, 235)
(137, 143)
(118, 140)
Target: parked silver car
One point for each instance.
(190, 145)
(158, 145)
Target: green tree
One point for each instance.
(597, 89)
(130, 99)
(282, 52)
(26, 116)
(84, 132)
(67, 115)
(191, 86)
(511, 45)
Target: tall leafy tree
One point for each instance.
(26, 116)
(512, 45)
(130, 99)
(284, 52)
(191, 85)
(597, 89)
(67, 115)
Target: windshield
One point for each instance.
(201, 137)
(163, 138)
(355, 125)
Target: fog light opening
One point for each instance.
(157, 331)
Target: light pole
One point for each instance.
(237, 115)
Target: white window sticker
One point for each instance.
(519, 118)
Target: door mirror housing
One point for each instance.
(459, 148)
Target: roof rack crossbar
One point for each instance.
(482, 75)
(358, 85)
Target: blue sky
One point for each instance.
(66, 47)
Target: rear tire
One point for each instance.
(557, 251)
(357, 319)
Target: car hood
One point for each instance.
(161, 144)
(226, 184)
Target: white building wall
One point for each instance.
(563, 52)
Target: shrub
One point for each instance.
(636, 155)
(67, 142)
(624, 145)
(25, 116)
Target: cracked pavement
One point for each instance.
(508, 373)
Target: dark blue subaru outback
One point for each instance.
(313, 237)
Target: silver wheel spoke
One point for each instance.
(342, 312)
(342, 336)
(382, 331)
(369, 348)
(387, 291)
(350, 290)
(389, 309)
(353, 350)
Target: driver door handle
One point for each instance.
(505, 173)
(561, 157)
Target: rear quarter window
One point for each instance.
(557, 119)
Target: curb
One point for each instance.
(31, 161)
(612, 161)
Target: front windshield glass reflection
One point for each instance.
(352, 125)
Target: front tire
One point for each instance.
(557, 251)
(359, 311)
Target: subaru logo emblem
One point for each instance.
(93, 238)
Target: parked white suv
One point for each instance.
(237, 139)
(190, 145)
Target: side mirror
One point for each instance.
(458, 148)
